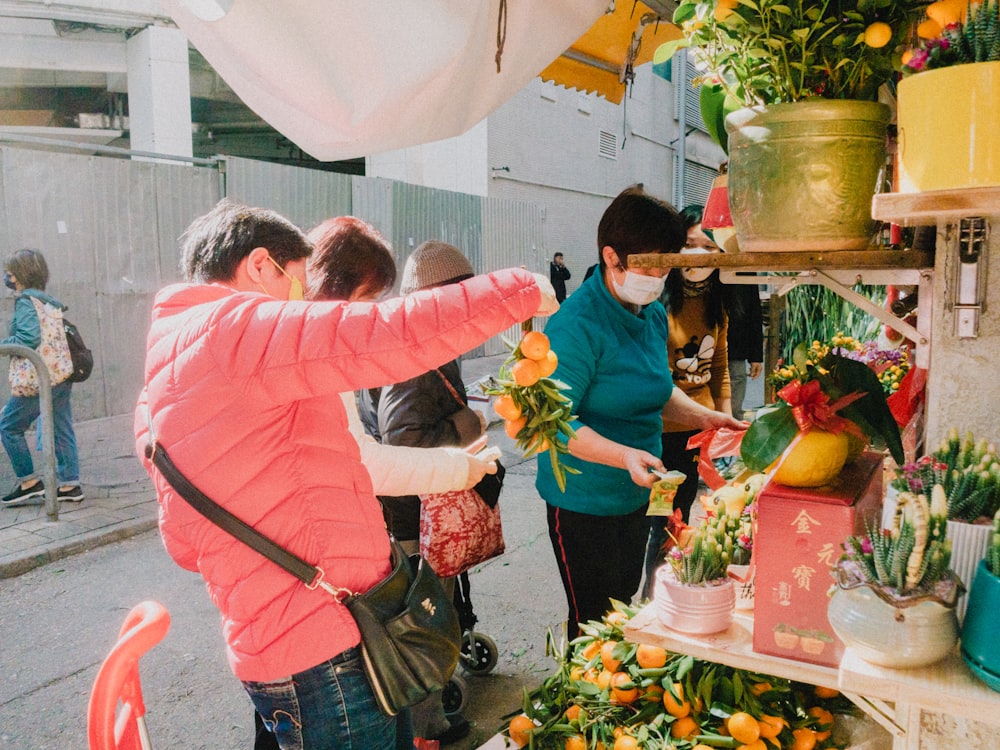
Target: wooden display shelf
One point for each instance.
(793, 261)
(946, 687)
(936, 206)
(732, 647)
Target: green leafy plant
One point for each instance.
(961, 39)
(821, 392)
(709, 551)
(912, 555)
(993, 550)
(816, 313)
(773, 51)
(967, 469)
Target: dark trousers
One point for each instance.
(599, 558)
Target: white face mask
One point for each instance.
(696, 274)
(638, 289)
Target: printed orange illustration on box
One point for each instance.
(798, 541)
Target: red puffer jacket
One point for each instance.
(244, 393)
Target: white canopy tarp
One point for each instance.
(346, 78)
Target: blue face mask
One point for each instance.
(8, 280)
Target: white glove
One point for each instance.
(549, 303)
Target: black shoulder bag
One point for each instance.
(410, 634)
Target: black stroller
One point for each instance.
(478, 655)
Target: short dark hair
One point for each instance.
(692, 215)
(213, 246)
(30, 268)
(637, 222)
(558, 255)
(350, 255)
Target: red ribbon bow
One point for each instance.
(812, 408)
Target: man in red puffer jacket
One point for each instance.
(242, 388)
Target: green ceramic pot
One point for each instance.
(802, 175)
(980, 646)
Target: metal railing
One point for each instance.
(48, 428)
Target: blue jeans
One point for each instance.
(17, 417)
(329, 707)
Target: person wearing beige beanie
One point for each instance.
(432, 264)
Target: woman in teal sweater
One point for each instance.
(611, 337)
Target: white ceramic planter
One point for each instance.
(695, 609)
(897, 637)
(968, 546)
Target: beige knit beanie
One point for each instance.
(432, 264)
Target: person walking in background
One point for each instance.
(243, 385)
(611, 339)
(697, 353)
(746, 340)
(559, 275)
(424, 412)
(37, 324)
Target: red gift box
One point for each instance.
(798, 541)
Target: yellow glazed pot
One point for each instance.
(948, 122)
(802, 175)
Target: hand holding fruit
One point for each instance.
(534, 409)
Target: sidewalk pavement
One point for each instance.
(119, 499)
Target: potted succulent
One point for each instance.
(980, 648)
(969, 471)
(692, 592)
(955, 69)
(735, 508)
(829, 407)
(811, 133)
(895, 597)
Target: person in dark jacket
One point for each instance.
(746, 340)
(424, 412)
(559, 275)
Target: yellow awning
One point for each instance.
(605, 57)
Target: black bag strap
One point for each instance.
(311, 575)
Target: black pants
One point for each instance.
(599, 558)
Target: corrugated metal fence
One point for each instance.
(109, 229)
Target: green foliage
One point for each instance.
(993, 551)
(911, 556)
(967, 469)
(772, 51)
(816, 313)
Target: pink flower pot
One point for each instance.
(697, 609)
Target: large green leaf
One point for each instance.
(871, 412)
(769, 434)
(712, 99)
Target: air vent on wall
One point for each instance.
(608, 145)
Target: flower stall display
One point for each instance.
(980, 648)
(896, 594)
(608, 692)
(536, 412)
(827, 401)
(807, 147)
(955, 69)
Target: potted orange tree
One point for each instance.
(808, 146)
